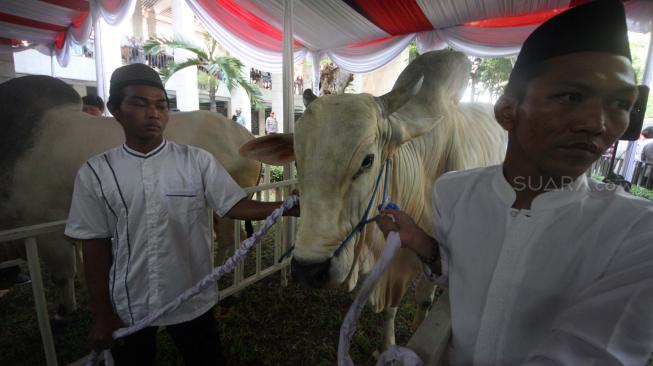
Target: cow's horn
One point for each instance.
(308, 97)
(397, 97)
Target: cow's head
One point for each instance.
(340, 144)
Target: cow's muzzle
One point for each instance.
(311, 274)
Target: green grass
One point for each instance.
(266, 324)
(635, 190)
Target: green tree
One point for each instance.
(212, 68)
(492, 74)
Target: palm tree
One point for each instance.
(212, 68)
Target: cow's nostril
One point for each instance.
(310, 274)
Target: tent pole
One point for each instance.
(629, 162)
(98, 54)
(288, 60)
(288, 113)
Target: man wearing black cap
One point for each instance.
(93, 105)
(140, 210)
(545, 266)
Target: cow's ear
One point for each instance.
(274, 149)
(397, 97)
(404, 131)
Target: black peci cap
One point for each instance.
(134, 74)
(598, 26)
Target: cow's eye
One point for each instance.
(368, 161)
(366, 164)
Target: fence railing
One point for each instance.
(284, 236)
(602, 166)
(642, 173)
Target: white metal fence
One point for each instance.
(284, 236)
(642, 172)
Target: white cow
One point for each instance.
(46, 138)
(340, 146)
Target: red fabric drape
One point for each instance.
(240, 20)
(518, 21)
(396, 17)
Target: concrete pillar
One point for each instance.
(137, 21)
(184, 82)
(240, 99)
(277, 99)
(150, 23)
(7, 68)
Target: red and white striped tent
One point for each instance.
(358, 35)
(53, 26)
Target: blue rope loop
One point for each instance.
(286, 253)
(364, 220)
(385, 204)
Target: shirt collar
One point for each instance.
(139, 154)
(551, 199)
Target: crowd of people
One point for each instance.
(260, 78)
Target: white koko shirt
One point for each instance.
(154, 208)
(568, 282)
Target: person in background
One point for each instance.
(93, 105)
(271, 124)
(238, 117)
(140, 210)
(544, 265)
(647, 146)
(647, 156)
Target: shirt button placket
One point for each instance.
(148, 190)
(501, 290)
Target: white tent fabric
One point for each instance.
(640, 15)
(265, 54)
(43, 38)
(473, 41)
(354, 43)
(450, 13)
(360, 59)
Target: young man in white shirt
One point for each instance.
(140, 211)
(545, 266)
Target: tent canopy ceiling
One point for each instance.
(348, 31)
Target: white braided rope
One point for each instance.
(395, 353)
(204, 283)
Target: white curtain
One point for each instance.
(112, 11)
(357, 45)
(366, 58)
(640, 15)
(474, 41)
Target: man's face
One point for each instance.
(143, 112)
(92, 110)
(570, 115)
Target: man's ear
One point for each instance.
(115, 111)
(505, 111)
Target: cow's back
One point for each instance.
(51, 144)
(218, 135)
(23, 103)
